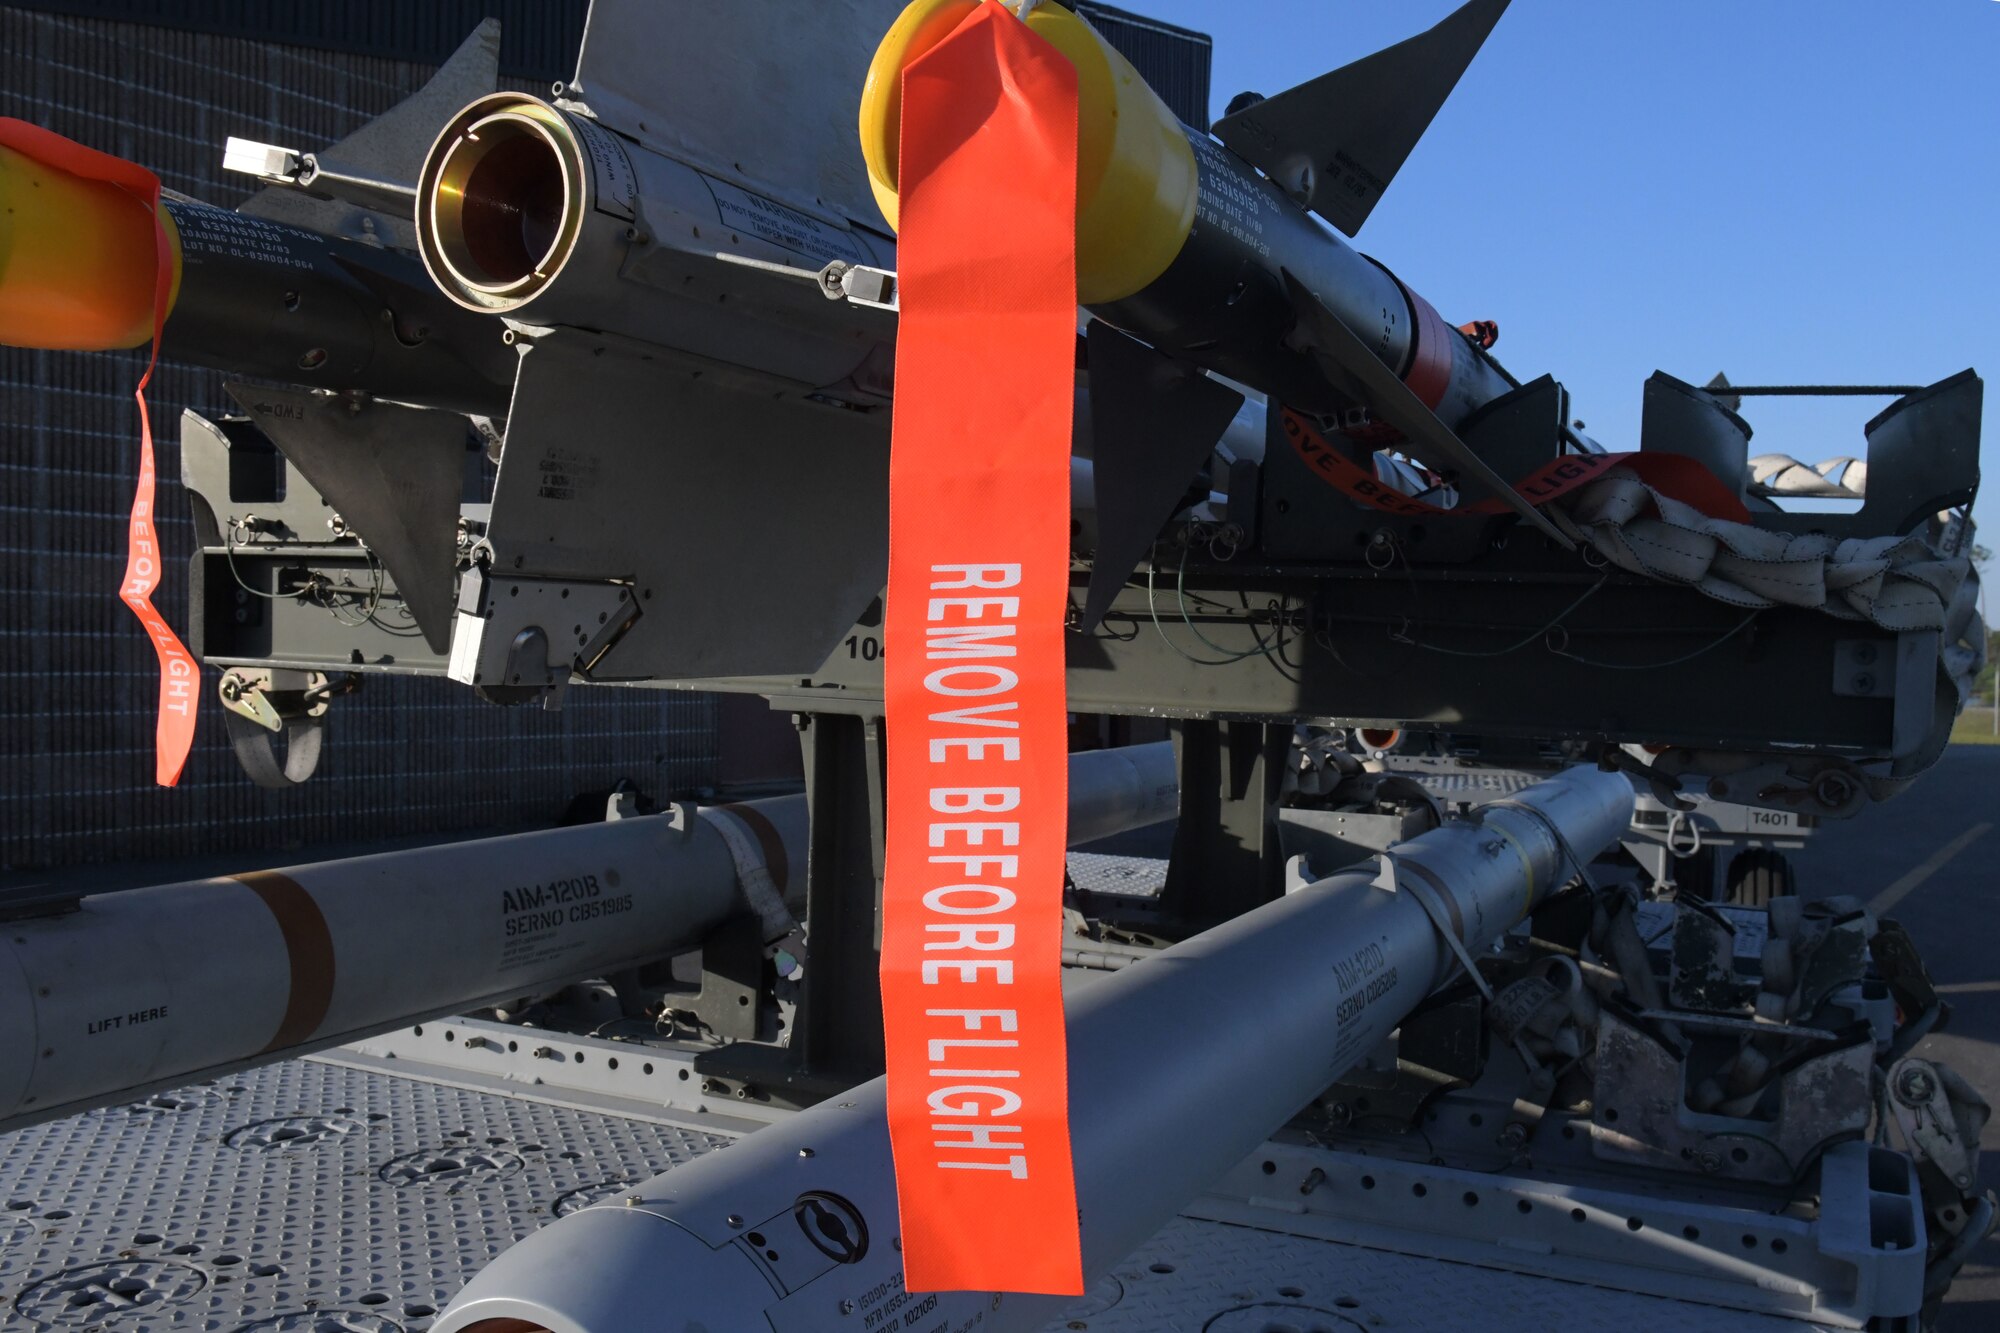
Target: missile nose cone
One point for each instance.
(613, 1270)
(77, 259)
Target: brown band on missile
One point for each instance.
(308, 945)
(775, 860)
(1445, 895)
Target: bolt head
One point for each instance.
(1915, 1087)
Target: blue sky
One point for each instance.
(1793, 191)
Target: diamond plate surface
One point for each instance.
(1464, 784)
(299, 1198)
(319, 1198)
(1133, 876)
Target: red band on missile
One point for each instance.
(1673, 475)
(1429, 376)
(976, 726)
(180, 676)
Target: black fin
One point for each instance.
(1334, 144)
(1153, 421)
(1719, 388)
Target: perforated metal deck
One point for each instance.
(318, 1197)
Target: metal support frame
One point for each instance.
(1227, 857)
(836, 1037)
(729, 1002)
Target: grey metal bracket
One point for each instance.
(260, 706)
(1923, 1112)
(730, 1003)
(531, 634)
(858, 284)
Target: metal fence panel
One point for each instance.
(539, 37)
(77, 677)
(1176, 61)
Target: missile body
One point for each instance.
(152, 988)
(1183, 244)
(538, 213)
(155, 987)
(255, 298)
(796, 1226)
(270, 301)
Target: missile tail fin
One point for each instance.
(1336, 142)
(1154, 420)
(1352, 368)
(392, 146)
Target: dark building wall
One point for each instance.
(1176, 61)
(540, 38)
(77, 677)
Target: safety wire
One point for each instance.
(1554, 636)
(1272, 650)
(318, 589)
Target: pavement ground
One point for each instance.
(1931, 860)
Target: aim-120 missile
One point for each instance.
(1206, 250)
(253, 297)
(153, 988)
(796, 1227)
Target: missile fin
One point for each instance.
(1153, 421)
(394, 473)
(393, 145)
(1336, 142)
(1356, 371)
(721, 86)
(1719, 388)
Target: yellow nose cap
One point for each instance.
(1137, 185)
(77, 260)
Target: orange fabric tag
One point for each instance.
(977, 747)
(179, 673)
(1685, 479)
